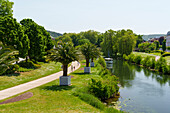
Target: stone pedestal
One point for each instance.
(87, 69)
(65, 80)
(92, 64)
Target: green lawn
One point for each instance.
(52, 98)
(152, 54)
(16, 79)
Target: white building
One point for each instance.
(168, 39)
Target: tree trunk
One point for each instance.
(87, 62)
(92, 60)
(26, 58)
(65, 70)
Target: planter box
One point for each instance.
(87, 69)
(92, 64)
(65, 80)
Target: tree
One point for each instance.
(126, 42)
(164, 45)
(64, 53)
(12, 34)
(109, 43)
(6, 8)
(87, 51)
(91, 35)
(83, 41)
(157, 44)
(40, 40)
(95, 52)
(139, 40)
(7, 57)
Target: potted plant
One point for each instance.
(64, 53)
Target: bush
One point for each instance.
(131, 58)
(29, 64)
(12, 69)
(146, 61)
(166, 54)
(138, 59)
(161, 65)
(153, 63)
(102, 62)
(168, 48)
(103, 89)
(125, 57)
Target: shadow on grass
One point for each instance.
(10, 75)
(58, 88)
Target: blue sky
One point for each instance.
(142, 16)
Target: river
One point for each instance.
(141, 91)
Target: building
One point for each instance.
(168, 39)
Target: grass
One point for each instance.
(52, 98)
(11, 80)
(152, 54)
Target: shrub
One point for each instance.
(131, 57)
(166, 54)
(161, 65)
(103, 89)
(102, 61)
(29, 64)
(168, 48)
(125, 57)
(146, 61)
(12, 69)
(138, 59)
(153, 63)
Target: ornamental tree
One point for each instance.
(64, 53)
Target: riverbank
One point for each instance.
(151, 62)
(140, 88)
(56, 99)
(152, 55)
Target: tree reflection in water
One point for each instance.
(124, 71)
(127, 73)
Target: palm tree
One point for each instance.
(89, 51)
(64, 53)
(95, 53)
(7, 57)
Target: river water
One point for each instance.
(142, 91)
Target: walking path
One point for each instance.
(35, 83)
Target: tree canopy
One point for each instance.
(40, 39)
(12, 34)
(64, 53)
(6, 8)
(122, 42)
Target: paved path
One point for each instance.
(35, 83)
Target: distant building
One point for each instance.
(168, 39)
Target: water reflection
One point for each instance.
(127, 72)
(124, 71)
(142, 90)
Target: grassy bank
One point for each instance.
(19, 78)
(152, 55)
(52, 98)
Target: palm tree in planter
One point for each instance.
(64, 53)
(95, 53)
(87, 51)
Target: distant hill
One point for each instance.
(54, 34)
(147, 37)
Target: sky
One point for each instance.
(141, 16)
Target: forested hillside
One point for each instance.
(54, 34)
